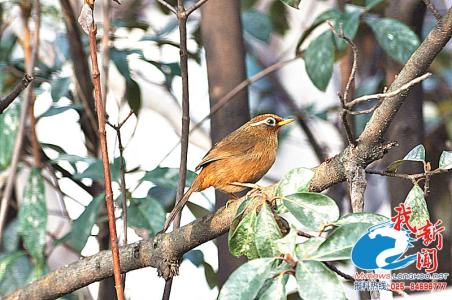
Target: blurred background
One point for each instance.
(228, 41)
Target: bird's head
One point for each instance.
(267, 124)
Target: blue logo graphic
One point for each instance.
(382, 247)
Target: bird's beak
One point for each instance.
(285, 122)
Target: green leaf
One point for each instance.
(319, 60)
(416, 154)
(245, 282)
(197, 210)
(60, 88)
(308, 248)
(312, 210)
(372, 3)
(133, 95)
(315, 281)
(55, 110)
(279, 17)
(195, 256)
(9, 123)
(266, 233)
(397, 39)
(241, 240)
(82, 226)
(167, 177)
(32, 215)
(287, 244)
(330, 14)
(419, 212)
(349, 22)
(257, 24)
(292, 3)
(338, 245)
(361, 217)
(10, 241)
(297, 180)
(276, 290)
(445, 160)
(146, 213)
(211, 275)
(95, 171)
(15, 269)
(394, 166)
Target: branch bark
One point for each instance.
(164, 250)
(22, 85)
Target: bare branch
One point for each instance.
(22, 85)
(393, 93)
(105, 162)
(434, 11)
(167, 5)
(195, 6)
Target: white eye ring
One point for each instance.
(269, 121)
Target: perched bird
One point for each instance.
(243, 157)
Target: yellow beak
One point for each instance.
(285, 122)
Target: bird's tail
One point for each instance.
(177, 208)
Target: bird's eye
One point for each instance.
(271, 121)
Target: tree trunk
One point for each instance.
(225, 56)
(408, 128)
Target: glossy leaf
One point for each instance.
(276, 290)
(82, 226)
(278, 13)
(245, 282)
(315, 281)
(211, 275)
(55, 109)
(15, 269)
(266, 233)
(10, 240)
(372, 3)
(307, 249)
(197, 210)
(330, 14)
(60, 88)
(349, 23)
(397, 39)
(195, 256)
(319, 60)
(9, 122)
(419, 212)
(297, 180)
(445, 160)
(292, 3)
(338, 245)
(257, 24)
(95, 171)
(286, 245)
(312, 210)
(167, 177)
(416, 154)
(32, 215)
(361, 217)
(241, 239)
(146, 213)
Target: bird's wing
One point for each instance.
(228, 147)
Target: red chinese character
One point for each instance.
(430, 233)
(427, 259)
(402, 218)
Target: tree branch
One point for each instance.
(163, 251)
(22, 85)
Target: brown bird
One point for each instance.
(241, 158)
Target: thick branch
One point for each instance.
(5, 102)
(165, 250)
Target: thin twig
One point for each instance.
(106, 25)
(105, 161)
(18, 144)
(344, 97)
(403, 88)
(167, 5)
(182, 19)
(22, 85)
(434, 11)
(195, 6)
(414, 178)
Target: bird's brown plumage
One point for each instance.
(244, 156)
